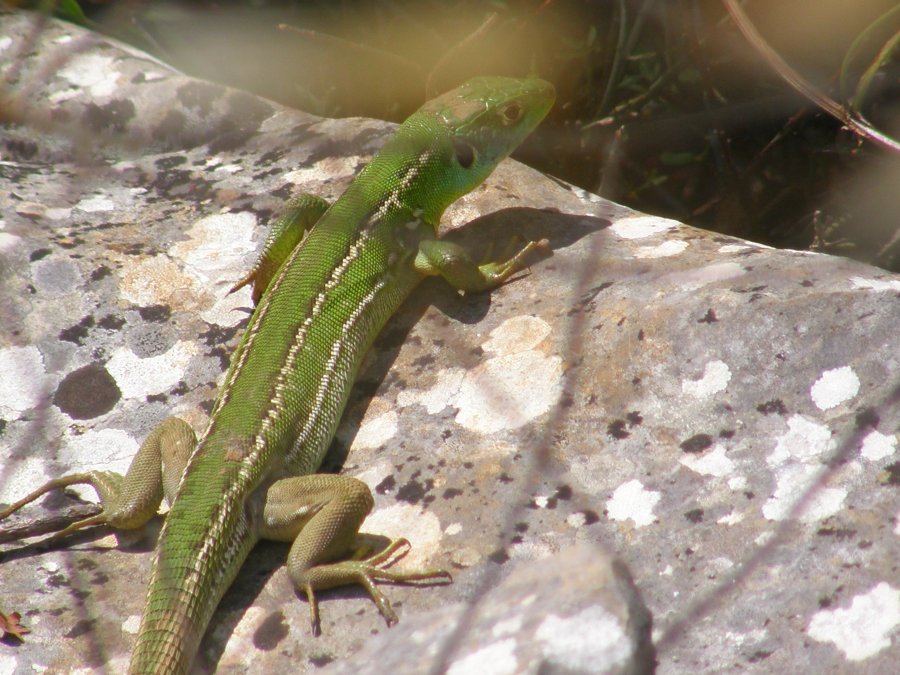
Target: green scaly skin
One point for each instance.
(327, 281)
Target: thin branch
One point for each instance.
(798, 82)
(51, 523)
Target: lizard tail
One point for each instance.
(187, 580)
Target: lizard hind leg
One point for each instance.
(321, 514)
(103, 482)
(131, 500)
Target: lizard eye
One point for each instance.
(465, 153)
(512, 112)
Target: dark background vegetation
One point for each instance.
(663, 105)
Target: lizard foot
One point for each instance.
(366, 572)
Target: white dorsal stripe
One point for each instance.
(391, 201)
(330, 369)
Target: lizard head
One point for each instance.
(459, 137)
(488, 117)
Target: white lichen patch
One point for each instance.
(864, 628)
(24, 383)
(230, 168)
(95, 204)
(876, 446)
(565, 645)
(139, 377)
(453, 529)
(465, 557)
(421, 528)
(515, 387)
(737, 482)
(712, 463)
(58, 213)
(51, 567)
(797, 461)
(633, 501)
(441, 394)
(106, 449)
(8, 242)
(734, 248)
(793, 482)
(583, 195)
(508, 392)
(721, 564)
(217, 245)
(517, 334)
(375, 432)
(875, 284)
(375, 474)
(239, 651)
(576, 520)
(95, 72)
(29, 471)
(764, 538)
(159, 281)
(732, 518)
(691, 280)
(229, 309)
(715, 378)
(532, 548)
(834, 387)
(540, 501)
(667, 249)
(132, 624)
(497, 658)
(509, 626)
(640, 227)
(338, 130)
(805, 440)
(330, 168)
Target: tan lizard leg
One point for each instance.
(131, 500)
(449, 260)
(321, 514)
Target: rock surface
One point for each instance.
(721, 415)
(578, 611)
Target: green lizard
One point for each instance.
(327, 280)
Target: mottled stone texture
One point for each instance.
(720, 415)
(576, 612)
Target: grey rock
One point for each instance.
(576, 611)
(721, 415)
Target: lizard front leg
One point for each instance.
(450, 261)
(321, 514)
(301, 213)
(131, 500)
